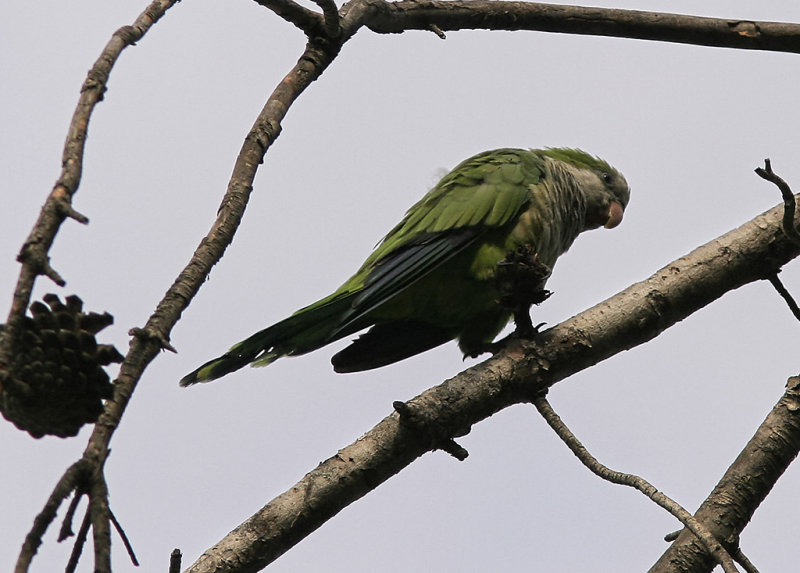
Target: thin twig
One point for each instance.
(80, 541)
(125, 541)
(66, 525)
(576, 447)
(787, 296)
(742, 560)
(789, 203)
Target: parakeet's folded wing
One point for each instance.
(483, 193)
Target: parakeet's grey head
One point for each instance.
(605, 189)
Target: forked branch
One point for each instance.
(662, 500)
(744, 486)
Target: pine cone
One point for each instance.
(56, 382)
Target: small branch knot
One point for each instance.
(434, 435)
(148, 333)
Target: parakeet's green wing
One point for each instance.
(483, 193)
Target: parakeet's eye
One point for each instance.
(607, 178)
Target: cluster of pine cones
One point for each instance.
(56, 382)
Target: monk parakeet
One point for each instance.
(435, 276)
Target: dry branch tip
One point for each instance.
(66, 525)
(66, 209)
(125, 541)
(175, 561)
(785, 294)
(40, 263)
(438, 31)
(789, 204)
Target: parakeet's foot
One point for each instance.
(524, 324)
(521, 277)
(520, 281)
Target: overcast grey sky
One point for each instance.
(686, 125)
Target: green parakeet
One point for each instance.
(434, 277)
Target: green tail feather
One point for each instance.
(308, 329)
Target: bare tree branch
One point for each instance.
(58, 206)
(713, 546)
(517, 374)
(743, 487)
(394, 17)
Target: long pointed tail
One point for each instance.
(237, 357)
(308, 329)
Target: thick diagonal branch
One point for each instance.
(632, 317)
(743, 487)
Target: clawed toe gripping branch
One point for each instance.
(520, 281)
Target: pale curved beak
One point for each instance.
(615, 212)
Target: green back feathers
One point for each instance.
(488, 189)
